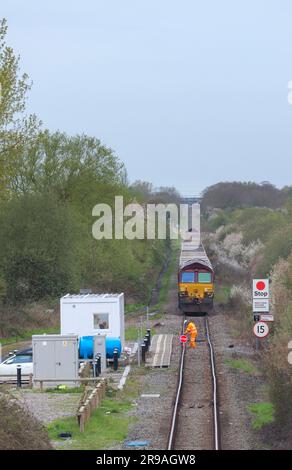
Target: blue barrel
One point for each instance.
(86, 347)
(111, 344)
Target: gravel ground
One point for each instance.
(237, 389)
(47, 407)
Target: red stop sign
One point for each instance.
(183, 338)
(260, 285)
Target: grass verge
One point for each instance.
(243, 365)
(132, 308)
(131, 332)
(264, 413)
(163, 289)
(165, 281)
(27, 335)
(107, 426)
(155, 311)
(65, 389)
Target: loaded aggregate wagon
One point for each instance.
(195, 277)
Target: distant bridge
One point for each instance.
(190, 200)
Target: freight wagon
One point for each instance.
(195, 276)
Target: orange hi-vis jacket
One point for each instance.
(193, 332)
(192, 329)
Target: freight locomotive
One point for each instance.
(195, 276)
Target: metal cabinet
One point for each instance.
(55, 357)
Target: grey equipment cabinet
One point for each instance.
(100, 348)
(55, 357)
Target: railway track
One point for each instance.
(186, 393)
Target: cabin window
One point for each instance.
(101, 321)
(188, 277)
(204, 278)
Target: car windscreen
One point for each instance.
(21, 359)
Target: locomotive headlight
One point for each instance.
(208, 292)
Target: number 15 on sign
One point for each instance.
(261, 329)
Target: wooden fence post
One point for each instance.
(89, 402)
(80, 417)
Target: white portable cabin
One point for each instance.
(93, 314)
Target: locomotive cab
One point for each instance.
(196, 287)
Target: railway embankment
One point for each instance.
(254, 243)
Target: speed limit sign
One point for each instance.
(261, 329)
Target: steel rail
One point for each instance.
(174, 418)
(215, 393)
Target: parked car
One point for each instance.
(22, 358)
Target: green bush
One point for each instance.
(19, 430)
(40, 247)
(279, 245)
(281, 393)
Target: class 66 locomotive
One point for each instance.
(195, 276)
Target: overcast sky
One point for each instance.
(187, 92)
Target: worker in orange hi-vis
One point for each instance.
(193, 332)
